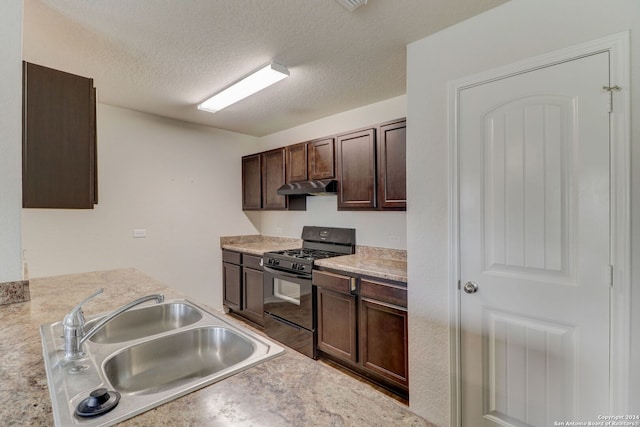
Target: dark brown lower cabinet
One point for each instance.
(337, 324)
(232, 279)
(242, 287)
(253, 291)
(362, 324)
(383, 341)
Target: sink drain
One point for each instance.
(100, 401)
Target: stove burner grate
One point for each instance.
(308, 254)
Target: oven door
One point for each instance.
(290, 297)
(289, 310)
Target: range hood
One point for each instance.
(318, 187)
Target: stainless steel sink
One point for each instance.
(150, 355)
(145, 322)
(150, 367)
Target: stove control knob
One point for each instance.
(294, 266)
(300, 267)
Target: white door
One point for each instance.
(534, 237)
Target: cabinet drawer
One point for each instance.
(232, 257)
(252, 261)
(334, 282)
(384, 292)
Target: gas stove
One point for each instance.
(290, 299)
(317, 243)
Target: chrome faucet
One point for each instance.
(74, 334)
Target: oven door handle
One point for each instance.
(285, 321)
(284, 273)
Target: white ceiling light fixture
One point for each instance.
(352, 5)
(264, 77)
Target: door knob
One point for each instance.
(470, 287)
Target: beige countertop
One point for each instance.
(383, 263)
(390, 264)
(290, 390)
(258, 244)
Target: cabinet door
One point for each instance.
(356, 153)
(59, 140)
(252, 182)
(383, 341)
(253, 295)
(296, 162)
(273, 177)
(337, 324)
(392, 166)
(232, 285)
(321, 159)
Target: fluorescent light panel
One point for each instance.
(264, 77)
(352, 4)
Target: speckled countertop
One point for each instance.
(370, 261)
(390, 264)
(258, 244)
(290, 390)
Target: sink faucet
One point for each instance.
(74, 334)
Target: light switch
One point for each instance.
(139, 233)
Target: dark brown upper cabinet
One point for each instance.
(321, 158)
(59, 162)
(372, 172)
(273, 174)
(392, 169)
(262, 175)
(252, 182)
(296, 162)
(369, 165)
(356, 160)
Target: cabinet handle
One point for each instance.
(353, 284)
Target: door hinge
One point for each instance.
(611, 276)
(611, 89)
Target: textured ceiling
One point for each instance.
(166, 56)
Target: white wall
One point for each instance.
(10, 140)
(384, 229)
(514, 31)
(180, 182)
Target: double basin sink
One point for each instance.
(148, 355)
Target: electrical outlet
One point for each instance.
(394, 238)
(278, 230)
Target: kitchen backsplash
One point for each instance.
(13, 292)
(379, 229)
